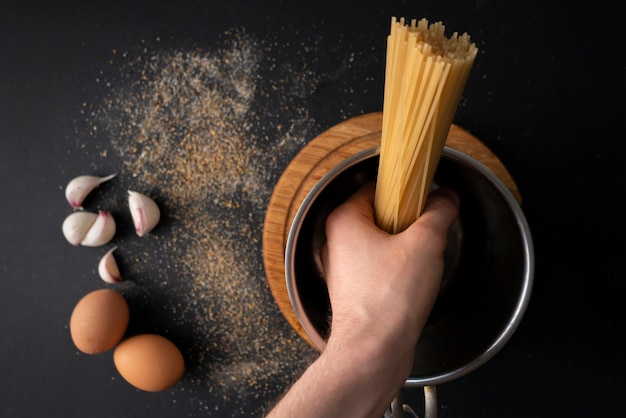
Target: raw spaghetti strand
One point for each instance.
(425, 74)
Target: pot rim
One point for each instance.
(527, 278)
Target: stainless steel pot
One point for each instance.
(488, 276)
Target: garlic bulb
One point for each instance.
(89, 229)
(78, 188)
(144, 211)
(107, 268)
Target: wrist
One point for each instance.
(390, 342)
(381, 364)
(350, 378)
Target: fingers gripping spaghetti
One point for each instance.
(425, 75)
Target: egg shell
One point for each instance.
(99, 321)
(149, 362)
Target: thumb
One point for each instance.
(431, 228)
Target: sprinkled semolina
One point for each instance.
(189, 130)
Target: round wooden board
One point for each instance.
(316, 159)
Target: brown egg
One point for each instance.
(99, 321)
(149, 362)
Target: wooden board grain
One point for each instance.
(316, 159)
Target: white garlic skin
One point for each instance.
(79, 187)
(144, 212)
(76, 226)
(101, 232)
(108, 269)
(89, 229)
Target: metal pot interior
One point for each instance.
(487, 279)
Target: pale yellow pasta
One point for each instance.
(425, 75)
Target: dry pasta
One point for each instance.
(425, 75)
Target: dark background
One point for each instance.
(546, 95)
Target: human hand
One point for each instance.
(382, 287)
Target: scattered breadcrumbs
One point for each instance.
(207, 134)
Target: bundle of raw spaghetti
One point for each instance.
(425, 76)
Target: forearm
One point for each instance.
(346, 380)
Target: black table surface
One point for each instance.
(546, 95)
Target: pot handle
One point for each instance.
(431, 409)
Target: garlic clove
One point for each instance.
(144, 211)
(101, 231)
(76, 226)
(78, 188)
(108, 269)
